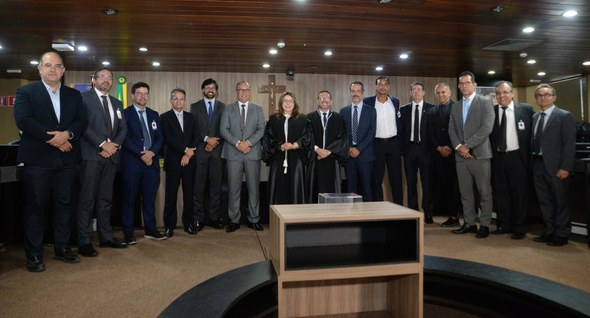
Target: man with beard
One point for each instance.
(209, 169)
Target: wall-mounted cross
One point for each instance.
(271, 88)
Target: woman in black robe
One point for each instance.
(286, 142)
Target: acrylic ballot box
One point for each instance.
(339, 198)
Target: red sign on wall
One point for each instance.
(3, 101)
(11, 101)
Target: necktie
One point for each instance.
(539, 135)
(355, 124)
(466, 104)
(210, 111)
(107, 114)
(147, 140)
(417, 124)
(243, 116)
(325, 120)
(180, 121)
(502, 146)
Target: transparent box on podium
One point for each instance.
(339, 198)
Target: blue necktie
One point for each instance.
(355, 124)
(325, 120)
(466, 105)
(147, 140)
(210, 111)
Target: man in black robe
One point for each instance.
(330, 148)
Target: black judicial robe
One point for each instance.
(324, 175)
(287, 187)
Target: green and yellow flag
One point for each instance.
(121, 90)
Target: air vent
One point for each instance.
(512, 45)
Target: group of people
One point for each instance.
(450, 146)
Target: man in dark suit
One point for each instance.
(360, 120)
(417, 149)
(388, 142)
(553, 148)
(140, 163)
(180, 137)
(209, 170)
(510, 140)
(51, 118)
(242, 128)
(445, 191)
(100, 156)
(470, 126)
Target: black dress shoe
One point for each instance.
(544, 238)
(232, 227)
(499, 231)
(190, 229)
(168, 232)
(483, 232)
(35, 264)
(87, 250)
(256, 226)
(198, 226)
(465, 229)
(217, 224)
(155, 235)
(517, 236)
(428, 219)
(67, 256)
(451, 222)
(130, 240)
(557, 241)
(114, 243)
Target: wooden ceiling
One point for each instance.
(442, 37)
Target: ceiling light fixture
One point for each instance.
(110, 11)
(404, 56)
(384, 1)
(105, 63)
(379, 68)
(14, 71)
(498, 9)
(273, 51)
(528, 29)
(570, 13)
(143, 49)
(82, 48)
(541, 73)
(156, 64)
(586, 63)
(491, 72)
(34, 62)
(62, 47)
(266, 65)
(328, 53)
(281, 44)
(531, 61)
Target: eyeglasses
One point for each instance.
(543, 95)
(54, 66)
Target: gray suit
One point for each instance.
(97, 173)
(475, 136)
(558, 148)
(239, 163)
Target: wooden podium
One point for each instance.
(348, 259)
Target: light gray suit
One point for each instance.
(475, 136)
(97, 173)
(239, 163)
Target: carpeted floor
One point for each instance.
(142, 280)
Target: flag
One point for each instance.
(121, 90)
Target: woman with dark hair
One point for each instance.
(286, 143)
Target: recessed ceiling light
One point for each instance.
(328, 53)
(379, 68)
(491, 72)
(541, 73)
(528, 29)
(0, 47)
(156, 63)
(281, 44)
(384, 1)
(498, 9)
(586, 63)
(82, 48)
(266, 65)
(570, 13)
(34, 62)
(143, 49)
(105, 63)
(531, 62)
(273, 51)
(110, 11)
(14, 71)
(404, 56)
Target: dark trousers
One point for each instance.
(511, 187)
(445, 196)
(552, 196)
(96, 195)
(144, 180)
(415, 160)
(40, 183)
(209, 171)
(388, 154)
(173, 179)
(358, 172)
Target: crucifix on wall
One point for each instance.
(271, 88)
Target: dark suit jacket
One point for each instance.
(177, 139)
(366, 130)
(406, 112)
(559, 140)
(206, 128)
(523, 113)
(438, 126)
(478, 127)
(97, 131)
(133, 145)
(34, 116)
